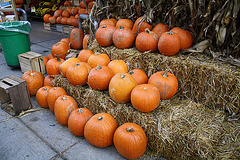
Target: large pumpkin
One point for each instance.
(104, 35)
(110, 21)
(185, 36)
(63, 107)
(98, 60)
(120, 87)
(53, 65)
(169, 43)
(139, 75)
(118, 66)
(64, 66)
(53, 94)
(166, 83)
(41, 96)
(130, 140)
(145, 97)
(76, 38)
(99, 77)
(84, 55)
(60, 49)
(147, 41)
(77, 74)
(123, 38)
(77, 120)
(34, 81)
(140, 25)
(99, 130)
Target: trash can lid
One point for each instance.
(16, 26)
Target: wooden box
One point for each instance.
(66, 29)
(59, 27)
(72, 54)
(14, 95)
(53, 27)
(31, 61)
(70, 29)
(46, 26)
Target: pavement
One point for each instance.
(37, 135)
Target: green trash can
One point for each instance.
(14, 39)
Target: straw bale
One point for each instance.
(201, 79)
(177, 129)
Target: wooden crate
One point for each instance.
(72, 54)
(31, 61)
(59, 27)
(46, 26)
(14, 95)
(53, 27)
(66, 29)
(70, 29)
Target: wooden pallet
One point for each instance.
(14, 95)
(46, 26)
(59, 27)
(31, 61)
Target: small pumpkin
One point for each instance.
(166, 83)
(74, 11)
(130, 140)
(90, 5)
(84, 55)
(147, 41)
(69, 21)
(58, 20)
(48, 80)
(46, 18)
(160, 28)
(123, 38)
(77, 120)
(60, 49)
(64, 66)
(75, 22)
(118, 66)
(185, 36)
(67, 40)
(41, 96)
(63, 107)
(169, 43)
(76, 38)
(53, 94)
(64, 20)
(77, 74)
(82, 11)
(50, 56)
(45, 60)
(82, 5)
(99, 130)
(121, 86)
(19, 1)
(139, 75)
(99, 77)
(145, 97)
(126, 23)
(65, 13)
(98, 60)
(58, 13)
(85, 41)
(110, 21)
(53, 65)
(89, 68)
(104, 35)
(52, 20)
(67, 4)
(140, 25)
(34, 81)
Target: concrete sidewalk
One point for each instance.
(37, 135)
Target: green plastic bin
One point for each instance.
(14, 39)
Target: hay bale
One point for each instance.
(177, 129)
(201, 79)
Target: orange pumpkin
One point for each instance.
(118, 66)
(46, 18)
(145, 97)
(99, 77)
(160, 28)
(64, 66)
(60, 49)
(84, 55)
(41, 96)
(34, 81)
(120, 87)
(169, 43)
(130, 140)
(52, 20)
(185, 36)
(82, 5)
(63, 107)
(77, 120)
(139, 75)
(166, 83)
(75, 22)
(67, 4)
(90, 5)
(85, 41)
(98, 60)
(126, 23)
(74, 11)
(58, 20)
(110, 21)
(64, 20)
(76, 38)
(99, 130)
(53, 65)
(76, 16)
(82, 11)
(67, 40)
(50, 56)
(53, 94)
(89, 68)
(104, 35)
(69, 21)
(77, 74)
(123, 38)
(19, 1)
(65, 13)
(58, 13)
(48, 80)
(147, 41)
(45, 60)
(139, 27)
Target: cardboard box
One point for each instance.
(31, 61)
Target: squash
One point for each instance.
(53, 94)
(41, 96)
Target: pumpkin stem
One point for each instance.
(131, 72)
(165, 73)
(104, 26)
(64, 98)
(121, 27)
(44, 88)
(122, 75)
(100, 118)
(77, 64)
(80, 110)
(130, 129)
(31, 74)
(99, 67)
(58, 59)
(147, 30)
(170, 33)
